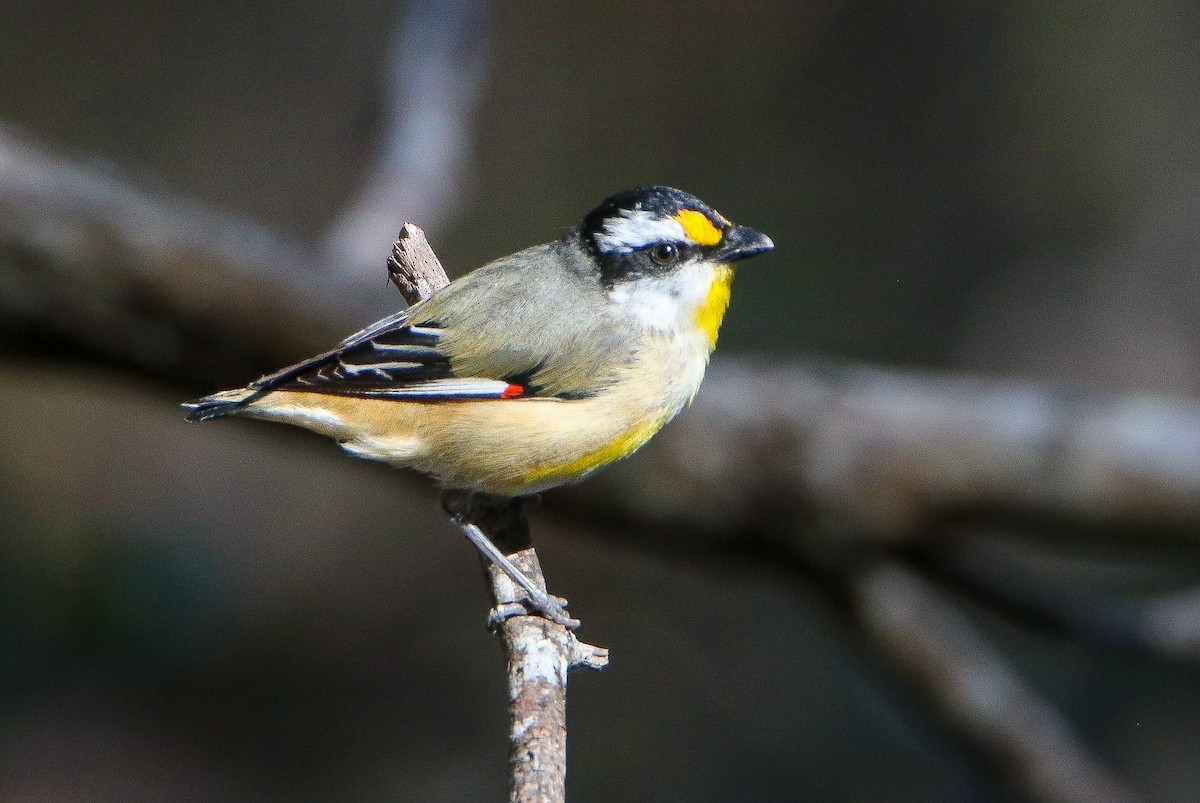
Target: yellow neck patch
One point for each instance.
(698, 227)
(712, 310)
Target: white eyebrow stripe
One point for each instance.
(637, 228)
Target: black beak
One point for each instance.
(741, 242)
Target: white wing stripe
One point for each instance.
(416, 351)
(379, 367)
(450, 387)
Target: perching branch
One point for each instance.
(539, 651)
(413, 267)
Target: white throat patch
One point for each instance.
(666, 303)
(637, 228)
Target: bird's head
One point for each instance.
(667, 257)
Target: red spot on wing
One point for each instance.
(512, 392)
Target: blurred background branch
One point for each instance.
(432, 78)
(92, 265)
(195, 298)
(977, 691)
(995, 203)
(853, 458)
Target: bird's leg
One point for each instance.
(506, 519)
(548, 606)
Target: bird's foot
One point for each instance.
(548, 607)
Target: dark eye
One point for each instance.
(664, 253)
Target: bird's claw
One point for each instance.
(550, 607)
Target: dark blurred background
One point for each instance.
(236, 611)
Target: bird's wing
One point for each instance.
(392, 358)
(487, 335)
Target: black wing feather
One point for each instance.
(377, 360)
(389, 359)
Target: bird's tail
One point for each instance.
(219, 404)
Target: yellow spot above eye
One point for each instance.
(712, 310)
(698, 227)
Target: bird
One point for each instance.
(536, 369)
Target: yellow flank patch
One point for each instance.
(698, 226)
(624, 444)
(712, 310)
